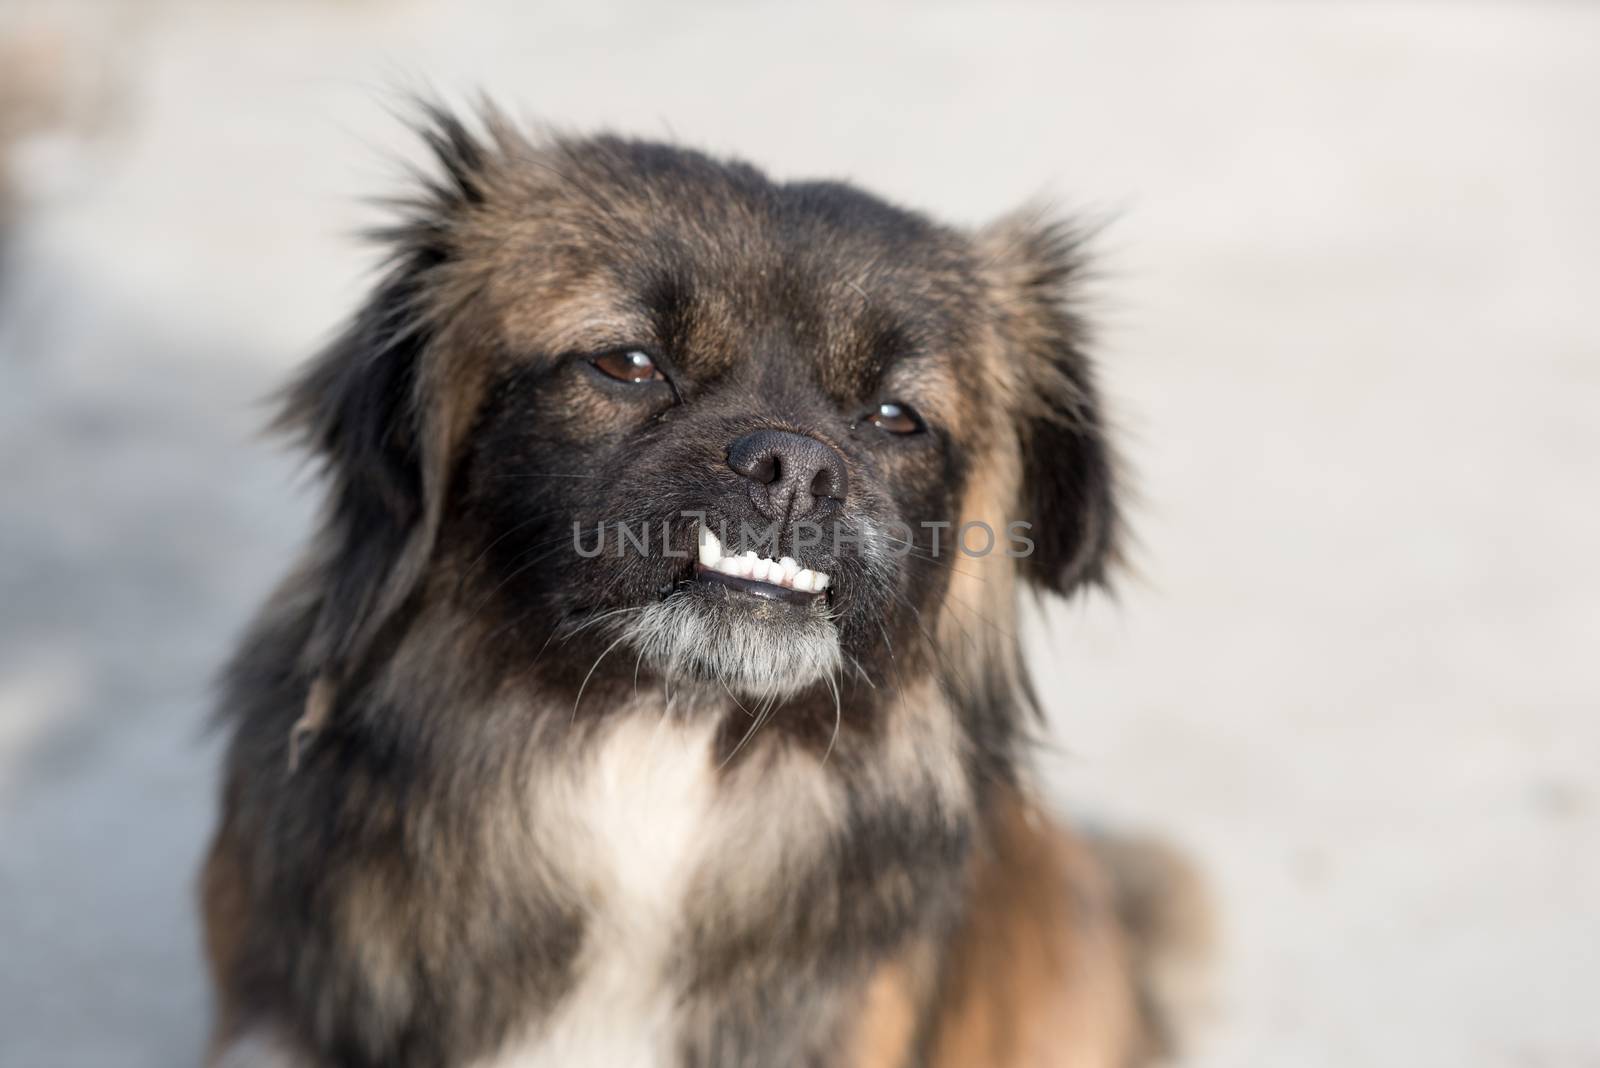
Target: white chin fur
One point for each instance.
(751, 654)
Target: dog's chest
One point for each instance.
(627, 827)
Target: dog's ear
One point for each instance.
(355, 405)
(362, 406)
(1068, 487)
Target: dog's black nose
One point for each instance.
(791, 472)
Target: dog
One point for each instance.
(532, 761)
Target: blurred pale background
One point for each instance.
(1349, 307)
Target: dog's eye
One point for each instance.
(895, 419)
(629, 366)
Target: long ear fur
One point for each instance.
(1068, 484)
(359, 406)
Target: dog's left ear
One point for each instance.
(1068, 478)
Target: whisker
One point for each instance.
(761, 718)
(934, 647)
(552, 544)
(734, 699)
(838, 717)
(585, 684)
(862, 671)
(600, 618)
(548, 474)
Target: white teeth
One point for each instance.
(785, 571)
(710, 548)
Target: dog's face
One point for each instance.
(761, 381)
(631, 403)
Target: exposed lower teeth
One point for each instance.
(785, 571)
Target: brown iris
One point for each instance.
(629, 366)
(895, 419)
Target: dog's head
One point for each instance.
(619, 396)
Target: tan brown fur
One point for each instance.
(1039, 975)
(1048, 969)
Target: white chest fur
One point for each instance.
(628, 824)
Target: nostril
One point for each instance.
(764, 471)
(755, 457)
(824, 484)
(831, 481)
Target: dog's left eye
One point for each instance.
(895, 419)
(629, 366)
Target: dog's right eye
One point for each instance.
(629, 366)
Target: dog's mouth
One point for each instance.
(752, 624)
(783, 579)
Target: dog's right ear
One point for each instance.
(360, 406)
(355, 406)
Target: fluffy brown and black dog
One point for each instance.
(496, 798)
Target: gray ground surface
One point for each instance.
(1350, 323)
